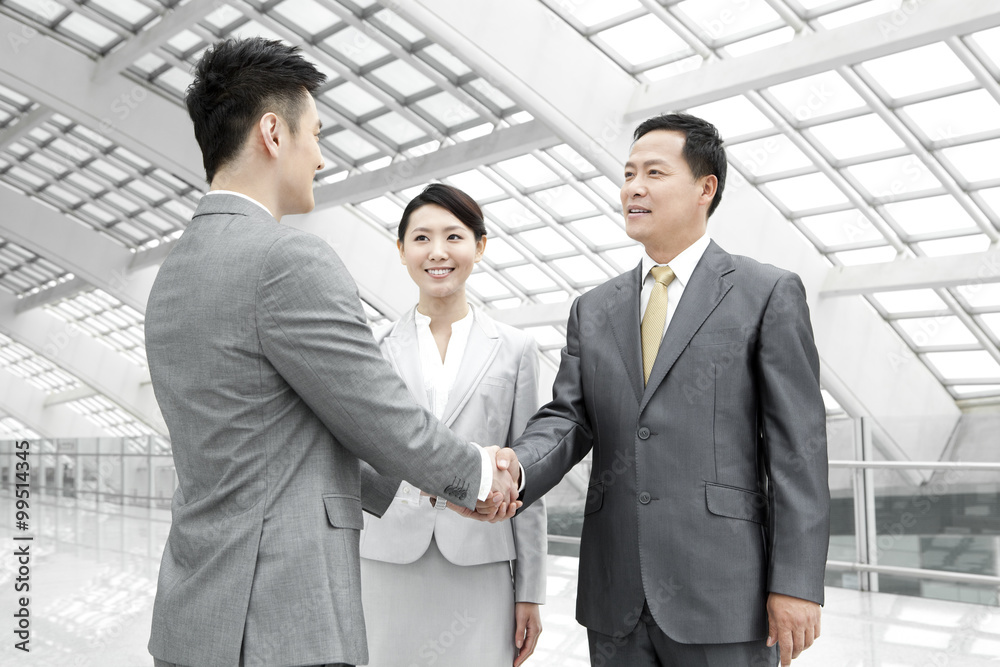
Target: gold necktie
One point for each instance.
(656, 315)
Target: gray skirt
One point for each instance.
(432, 612)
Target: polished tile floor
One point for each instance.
(93, 574)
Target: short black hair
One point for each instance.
(235, 83)
(451, 199)
(703, 149)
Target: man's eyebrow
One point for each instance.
(654, 160)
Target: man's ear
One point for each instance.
(709, 186)
(268, 128)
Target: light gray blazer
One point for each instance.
(495, 393)
(709, 483)
(272, 387)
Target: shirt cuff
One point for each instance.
(520, 487)
(486, 481)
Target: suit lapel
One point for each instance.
(702, 294)
(479, 353)
(404, 355)
(623, 314)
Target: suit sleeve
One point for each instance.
(559, 434)
(377, 491)
(793, 425)
(529, 526)
(312, 329)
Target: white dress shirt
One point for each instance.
(683, 266)
(239, 194)
(439, 376)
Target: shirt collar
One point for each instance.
(425, 320)
(239, 194)
(683, 265)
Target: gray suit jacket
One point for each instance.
(495, 393)
(709, 484)
(272, 387)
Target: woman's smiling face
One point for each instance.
(439, 251)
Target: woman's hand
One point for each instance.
(529, 626)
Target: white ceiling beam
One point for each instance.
(172, 22)
(91, 257)
(27, 404)
(70, 395)
(587, 115)
(127, 113)
(928, 22)
(47, 297)
(94, 364)
(914, 273)
(495, 147)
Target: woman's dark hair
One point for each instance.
(703, 149)
(451, 199)
(238, 81)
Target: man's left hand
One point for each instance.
(793, 623)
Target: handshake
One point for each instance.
(502, 502)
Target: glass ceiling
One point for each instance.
(891, 158)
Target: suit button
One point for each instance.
(644, 498)
(643, 433)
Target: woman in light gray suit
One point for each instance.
(437, 588)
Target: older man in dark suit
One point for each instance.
(694, 380)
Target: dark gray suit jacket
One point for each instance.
(709, 485)
(273, 388)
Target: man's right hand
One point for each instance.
(502, 502)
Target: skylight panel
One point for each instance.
(491, 93)
(184, 41)
(981, 295)
(734, 117)
(841, 228)
(580, 270)
(817, 96)
(572, 160)
(310, 16)
(564, 201)
(936, 331)
(895, 176)
(600, 232)
(720, 19)
(976, 162)
(770, 155)
(499, 252)
(992, 199)
(910, 301)
(176, 79)
(930, 215)
(474, 132)
(394, 23)
(806, 192)
(989, 42)
(992, 322)
(132, 12)
(352, 145)
(624, 259)
(859, 12)
(527, 171)
(608, 190)
(855, 137)
(643, 40)
(594, 12)
(487, 287)
(920, 70)
(971, 391)
(384, 209)
(956, 115)
(546, 242)
(356, 46)
(674, 68)
(960, 245)
(353, 98)
(972, 365)
(878, 255)
(403, 78)
(475, 185)
(530, 277)
(443, 57)
(396, 128)
(512, 214)
(89, 31)
(447, 110)
(254, 29)
(47, 10)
